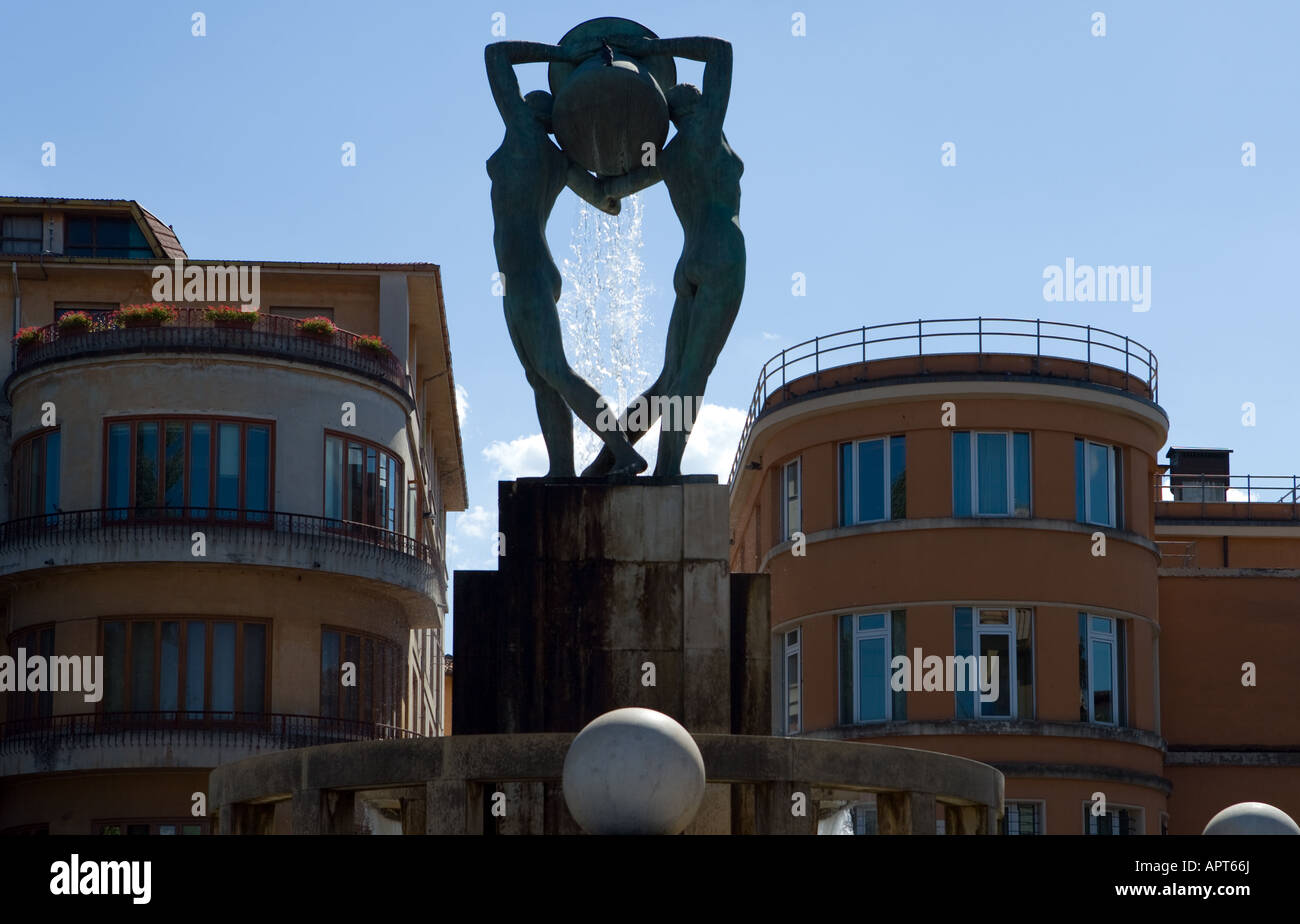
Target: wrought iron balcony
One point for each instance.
(192, 332)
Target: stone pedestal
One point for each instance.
(609, 594)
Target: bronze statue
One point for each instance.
(609, 123)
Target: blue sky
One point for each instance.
(1122, 149)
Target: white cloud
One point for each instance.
(470, 538)
(768, 335)
(712, 446)
(523, 457)
(462, 403)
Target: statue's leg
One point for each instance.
(678, 325)
(536, 333)
(713, 312)
(552, 413)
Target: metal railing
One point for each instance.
(1176, 553)
(1262, 497)
(256, 730)
(191, 331)
(1083, 343)
(119, 524)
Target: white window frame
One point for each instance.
(1111, 486)
(861, 634)
(786, 526)
(885, 493)
(1040, 811)
(1009, 436)
(1111, 638)
(1009, 630)
(789, 648)
(1112, 815)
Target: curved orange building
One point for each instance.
(935, 491)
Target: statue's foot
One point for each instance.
(601, 465)
(632, 465)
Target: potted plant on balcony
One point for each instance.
(317, 328)
(231, 318)
(372, 344)
(28, 337)
(74, 324)
(154, 314)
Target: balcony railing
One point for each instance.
(258, 527)
(1214, 497)
(191, 331)
(256, 731)
(1091, 346)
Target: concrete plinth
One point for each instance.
(609, 594)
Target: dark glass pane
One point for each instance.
(254, 680)
(174, 469)
(1098, 460)
(200, 468)
(166, 830)
(1021, 470)
(137, 829)
(53, 443)
(257, 486)
(333, 477)
(351, 655)
(1083, 667)
(846, 484)
(1080, 482)
(78, 232)
(1121, 672)
(897, 477)
(846, 669)
(35, 496)
(1117, 487)
(792, 693)
(992, 469)
(873, 679)
(223, 669)
(961, 483)
(112, 233)
(962, 645)
(898, 646)
(871, 480)
(191, 829)
(356, 492)
(114, 678)
(371, 513)
(169, 667)
(119, 465)
(228, 469)
(1103, 708)
(142, 676)
(146, 465)
(995, 646)
(329, 674)
(195, 667)
(1025, 663)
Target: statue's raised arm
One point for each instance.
(715, 53)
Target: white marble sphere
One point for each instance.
(633, 771)
(1252, 818)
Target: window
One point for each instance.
(35, 641)
(792, 493)
(987, 632)
(378, 673)
(195, 467)
(1022, 818)
(185, 668)
(990, 474)
(105, 236)
(98, 311)
(1098, 483)
(20, 234)
(1123, 820)
(1164, 823)
(1102, 670)
(873, 480)
(791, 682)
(178, 826)
(868, 644)
(36, 475)
(362, 483)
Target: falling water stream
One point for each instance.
(603, 311)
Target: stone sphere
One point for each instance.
(605, 112)
(1252, 818)
(633, 771)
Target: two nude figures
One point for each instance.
(702, 175)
